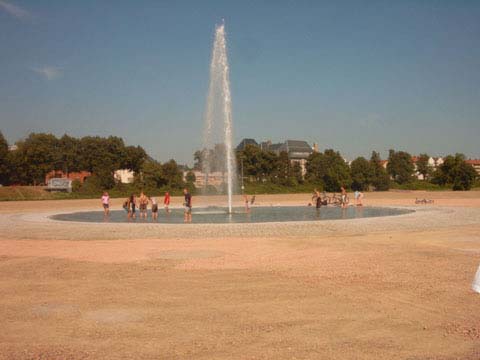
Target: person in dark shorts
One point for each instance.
(153, 200)
(187, 214)
(143, 205)
(132, 204)
(106, 203)
(318, 199)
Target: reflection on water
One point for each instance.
(359, 211)
(256, 214)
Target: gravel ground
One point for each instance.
(40, 226)
(394, 287)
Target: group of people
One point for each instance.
(141, 202)
(132, 202)
(321, 199)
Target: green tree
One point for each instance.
(102, 156)
(423, 168)
(68, 160)
(38, 155)
(94, 154)
(282, 170)
(257, 164)
(268, 165)
(4, 160)
(456, 172)
(152, 174)
(18, 171)
(190, 177)
(362, 174)
(400, 166)
(329, 170)
(249, 158)
(297, 173)
(198, 158)
(135, 156)
(380, 180)
(172, 174)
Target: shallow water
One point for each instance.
(218, 215)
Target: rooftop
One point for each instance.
(246, 142)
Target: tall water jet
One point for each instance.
(218, 112)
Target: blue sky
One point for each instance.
(355, 76)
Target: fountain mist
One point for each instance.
(218, 112)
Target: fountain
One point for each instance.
(218, 112)
(218, 130)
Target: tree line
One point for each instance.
(40, 153)
(328, 170)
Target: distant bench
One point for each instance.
(59, 184)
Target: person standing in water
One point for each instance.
(247, 204)
(356, 194)
(318, 199)
(143, 205)
(344, 197)
(187, 215)
(132, 204)
(106, 203)
(360, 199)
(166, 202)
(153, 200)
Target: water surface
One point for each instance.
(218, 215)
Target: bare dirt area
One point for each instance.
(379, 288)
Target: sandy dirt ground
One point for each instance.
(380, 288)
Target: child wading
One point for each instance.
(106, 203)
(166, 202)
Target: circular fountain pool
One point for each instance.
(218, 215)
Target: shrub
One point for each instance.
(76, 185)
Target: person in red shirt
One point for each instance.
(166, 202)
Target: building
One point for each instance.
(58, 174)
(298, 152)
(243, 144)
(475, 163)
(216, 178)
(12, 147)
(265, 145)
(433, 163)
(124, 176)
